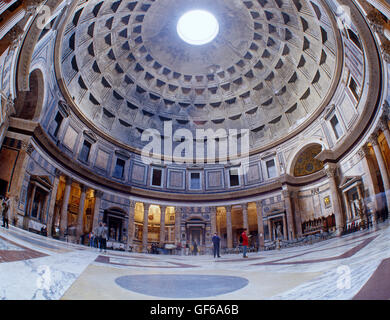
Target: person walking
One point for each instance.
(244, 243)
(187, 252)
(5, 215)
(99, 235)
(195, 248)
(216, 242)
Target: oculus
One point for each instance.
(197, 27)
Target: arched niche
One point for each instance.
(29, 104)
(305, 162)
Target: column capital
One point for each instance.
(132, 204)
(68, 180)
(83, 187)
(330, 171)
(31, 6)
(57, 172)
(14, 35)
(386, 50)
(364, 151)
(147, 206)
(286, 193)
(376, 20)
(244, 206)
(259, 203)
(99, 194)
(383, 122)
(213, 209)
(373, 138)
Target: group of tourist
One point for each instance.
(4, 209)
(244, 242)
(98, 239)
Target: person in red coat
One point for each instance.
(244, 243)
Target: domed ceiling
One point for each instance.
(269, 68)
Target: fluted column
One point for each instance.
(178, 212)
(229, 230)
(64, 208)
(245, 216)
(145, 228)
(383, 125)
(297, 215)
(270, 231)
(371, 179)
(348, 212)
(131, 225)
(162, 224)
(53, 198)
(96, 209)
(80, 216)
(382, 167)
(260, 224)
(290, 221)
(213, 219)
(336, 203)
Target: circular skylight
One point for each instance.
(197, 27)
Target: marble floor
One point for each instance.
(356, 266)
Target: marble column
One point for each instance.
(213, 220)
(27, 215)
(383, 125)
(245, 217)
(178, 212)
(53, 198)
(285, 228)
(348, 212)
(270, 231)
(64, 208)
(382, 167)
(371, 178)
(229, 230)
(289, 213)
(96, 209)
(297, 214)
(145, 228)
(162, 224)
(260, 224)
(131, 225)
(362, 214)
(331, 172)
(80, 216)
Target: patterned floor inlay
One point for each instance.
(129, 262)
(347, 254)
(181, 286)
(11, 251)
(378, 286)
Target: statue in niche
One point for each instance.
(279, 234)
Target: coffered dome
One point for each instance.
(271, 66)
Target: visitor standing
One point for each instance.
(195, 248)
(105, 237)
(99, 235)
(5, 215)
(91, 239)
(187, 253)
(244, 243)
(216, 243)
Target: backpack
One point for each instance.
(241, 238)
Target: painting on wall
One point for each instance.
(327, 202)
(306, 163)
